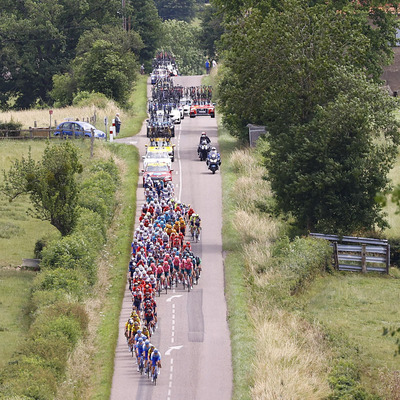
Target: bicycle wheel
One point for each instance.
(183, 282)
(155, 376)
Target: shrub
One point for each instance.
(28, 377)
(345, 382)
(70, 252)
(92, 226)
(12, 127)
(60, 279)
(85, 98)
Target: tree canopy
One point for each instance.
(305, 73)
(50, 184)
(182, 10)
(39, 42)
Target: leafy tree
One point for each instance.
(38, 40)
(148, 24)
(211, 29)
(182, 10)
(50, 184)
(301, 72)
(183, 40)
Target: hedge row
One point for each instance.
(68, 271)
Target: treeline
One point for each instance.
(310, 72)
(51, 51)
(68, 273)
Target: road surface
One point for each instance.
(192, 333)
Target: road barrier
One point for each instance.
(358, 254)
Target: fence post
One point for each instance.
(30, 132)
(91, 143)
(363, 259)
(335, 255)
(387, 258)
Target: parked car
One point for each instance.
(157, 172)
(80, 128)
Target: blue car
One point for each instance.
(80, 128)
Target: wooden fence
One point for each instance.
(359, 254)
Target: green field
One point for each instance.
(14, 302)
(18, 230)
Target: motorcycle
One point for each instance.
(213, 163)
(203, 150)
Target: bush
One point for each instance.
(395, 251)
(85, 98)
(28, 377)
(41, 244)
(296, 264)
(13, 128)
(70, 252)
(60, 279)
(345, 383)
(91, 225)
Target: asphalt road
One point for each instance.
(192, 333)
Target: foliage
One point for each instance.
(183, 40)
(211, 30)
(12, 128)
(50, 184)
(344, 380)
(106, 63)
(85, 99)
(39, 39)
(331, 131)
(145, 21)
(181, 10)
(61, 280)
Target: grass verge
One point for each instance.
(138, 113)
(236, 287)
(14, 309)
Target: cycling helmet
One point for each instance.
(139, 332)
(213, 149)
(203, 134)
(155, 351)
(131, 321)
(147, 342)
(140, 340)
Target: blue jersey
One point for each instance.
(140, 349)
(155, 358)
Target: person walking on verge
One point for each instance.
(207, 66)
(117, 123)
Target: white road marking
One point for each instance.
(172, 297)
(168, 352)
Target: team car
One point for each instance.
(157, 155)
(164, 144)
(202, 108)
(157, 172)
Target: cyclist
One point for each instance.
(139, 349)
(148, 349)
(155, 360)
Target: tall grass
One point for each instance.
(14, 303)
(28, 118)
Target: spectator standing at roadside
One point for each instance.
(214, 63)
(207, 66)
(117, 123)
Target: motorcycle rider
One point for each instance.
(204, 141)
(213, 152)
(204, 138)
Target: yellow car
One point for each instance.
(161, 144)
